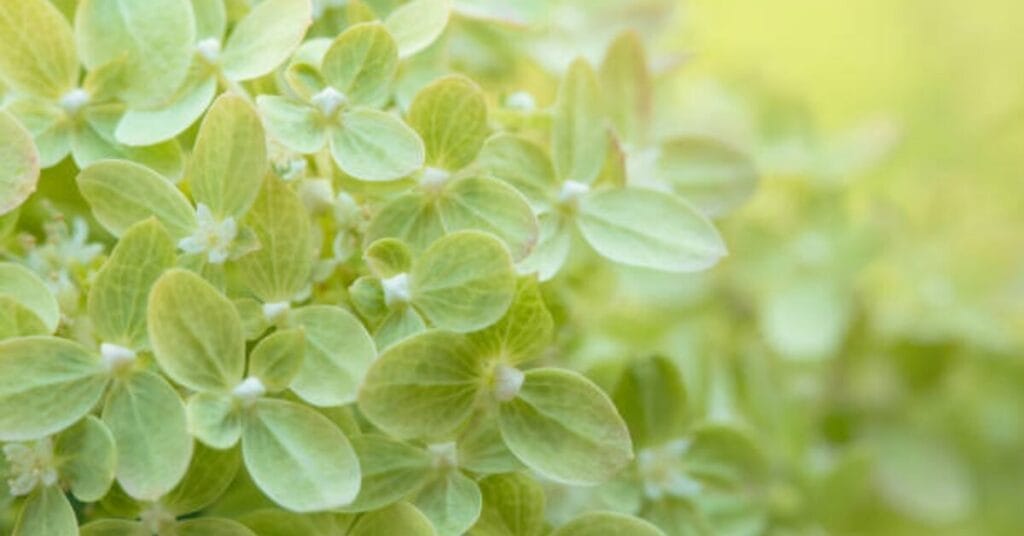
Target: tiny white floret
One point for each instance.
(211, 236)
(521, 100)
(434, 177)
(29, 466)
(209, 49)
(444, 454)
(273, 311)
(508, 381)
(572, 191)
(74, 100)
(396, 290)
(116, 357)
(329, 100)
(249, 390)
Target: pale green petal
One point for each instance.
(451, 501)
(209, 474)
(627, 87)
(19, 161)
(723, 456)
(552, 249)
(417, 24)
(450, 116)
(651, 397)
(215, 419)
(578, 136)
(155, 38)
(491, 206)
(94, 140)
(513, 505)
(47, 512)
(400, 518)
(211, 526)
(88, 458)
(150, 126)
(147, 418)
(230, 157)
(361, 64)
(296, 125)
(410, 217)
(114, 527)
(525, 330)
(119, 294)
(649, 229)
(481, 448)
(607, 524)
(391, 471)
(388, 257)
(195, 332)
(38, 53)
(565, 428)
(424, 386)
(713, 176)
(46, 385)
(299, 458)
(122, 193)
(265, 38)
(464, 281)
(398, 325)
(211, 18)
(17, 320)
(338, 353)
(49, 125)
(280, 268)
(375, 146)
(277, 359)
(25, 287)
(523, 164)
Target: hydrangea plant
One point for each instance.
(317, 279)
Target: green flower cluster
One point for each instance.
(330, 303)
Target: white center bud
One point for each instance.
(209, 49)
(444, 454)
(249, 390)
(273, 311)
(29, 466)
(572, 191)
(521, 100)
(507, 382)
(329, 100)
(434, 177)
(212, 236)
(396, 290)
(74, 100)
(116, 357)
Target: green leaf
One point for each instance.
(375, 146)
(195, 332)
(361, 63)
(713, 176)
(299, 458)
(464, 281)
(627, 87)
(525, 330)
(578, 137)
(565, 428)
(388, 257)
(114, 527)
(649, 229)
(230, 157)
(16, 320)
(277, 359)
(424, 386)
(47, 512)
(338, 353)
(723, 456)
(451, 501)
(209, 474)
(607, 524)
(153, 125)
(280, 268)
(391, 471)
(154, 38)
(399, 518)
(651, 397)
(123, 193)
(26, 288)
(147, 418)
(88, 459)
(119, 294)
(214, 419)
(417, 24)
(296, 125)
(210, 526)
(265, 38)
(450, 115)
(524, 165)
(19, 162)
(38, 57)
(513, 505)
(46, 385)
